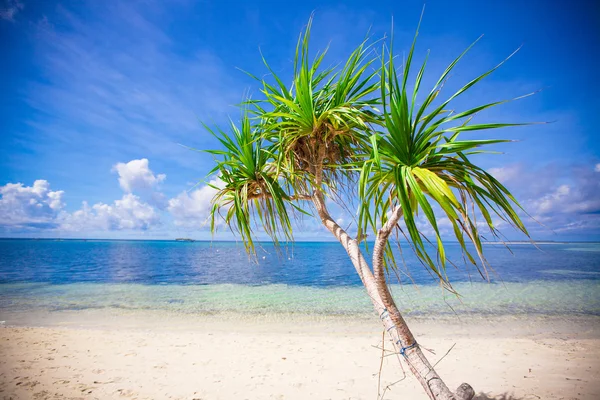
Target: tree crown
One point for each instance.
(358, 129)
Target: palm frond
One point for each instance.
(250, 194)
(418, 163)
(317, 122)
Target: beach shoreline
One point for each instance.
(521, 325)
(106, 354)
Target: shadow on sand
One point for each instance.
(489, 396)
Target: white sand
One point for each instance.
(87, 355)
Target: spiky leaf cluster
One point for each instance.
(331, 124)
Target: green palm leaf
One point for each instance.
(419, 164)
(251, 190)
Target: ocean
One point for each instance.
(303, 278)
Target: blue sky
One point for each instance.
(99, 96)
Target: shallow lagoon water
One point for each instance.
(536, 297)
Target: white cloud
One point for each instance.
(580, 196)
(569, 202)
(128, 213)
(136, 174)
(10, 8)
(551, 201)
(191, 209)
(38, 207)
(29, 206)
(562, 198)
(505, 174)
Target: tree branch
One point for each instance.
(378, 271)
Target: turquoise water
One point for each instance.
(536, 297)
(311, 278)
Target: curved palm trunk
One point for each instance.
(409, 348)
(400, 335)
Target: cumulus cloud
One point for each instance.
(10, 8)
(563, 198)
(505, 174)
(550, 201)
(191, 209)
(38, 207)
(128, 213)
(30, 206)
(580, 196)
(136, 174)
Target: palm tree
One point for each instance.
(324, 134)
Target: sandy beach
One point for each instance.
(103, 355)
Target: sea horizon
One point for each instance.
(333, 240)
(308, 278)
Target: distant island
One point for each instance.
(184, 240)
